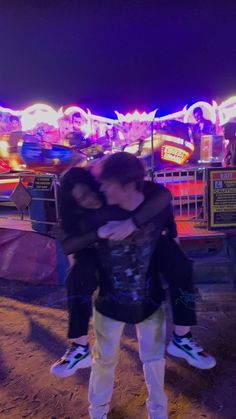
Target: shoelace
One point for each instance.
(69, 351)
(195, 345)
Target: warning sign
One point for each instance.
(21, 197)
(222, 198)
(43, 183)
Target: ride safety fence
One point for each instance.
(34, 198)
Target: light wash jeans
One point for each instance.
(151, 334)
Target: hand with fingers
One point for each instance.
(117, 230)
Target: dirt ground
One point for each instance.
(33, 328)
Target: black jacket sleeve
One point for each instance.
(157, 198)
(170, 228)
(72, 244)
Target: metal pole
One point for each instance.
(152, 154)
(55, 180)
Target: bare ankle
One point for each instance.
(82, 340)
(181, 330)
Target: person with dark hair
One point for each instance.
(229, 131)
(77, 138)
(80, 203)
(15, 123)
(202, 127)
(109, 139)
(77, 121)
(83, 211)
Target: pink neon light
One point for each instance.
(42, 113)
(227, 110)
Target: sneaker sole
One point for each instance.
(178, 353)
(85, 363)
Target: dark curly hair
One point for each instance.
(69, 209)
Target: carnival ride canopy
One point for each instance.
(40, 137)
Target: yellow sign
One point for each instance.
(221, 198)
(174, 154)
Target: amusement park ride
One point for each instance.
(43, 140)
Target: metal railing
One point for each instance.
(27, 180)
(187, 186)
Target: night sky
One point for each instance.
(116, 54)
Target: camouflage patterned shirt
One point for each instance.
(126, 291)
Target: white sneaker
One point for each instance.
(75, 357)
(188, 349)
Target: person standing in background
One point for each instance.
(229, 131)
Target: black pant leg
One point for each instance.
(81, 282)
(170, 260)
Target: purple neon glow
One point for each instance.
(42, 113)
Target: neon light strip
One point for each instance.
(225, 111)
(136, 116)
(8, 110)
(176, 115)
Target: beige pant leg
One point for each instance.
(105, 355)
(151, 335)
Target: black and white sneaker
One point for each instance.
(187, 348)
(75, 357)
